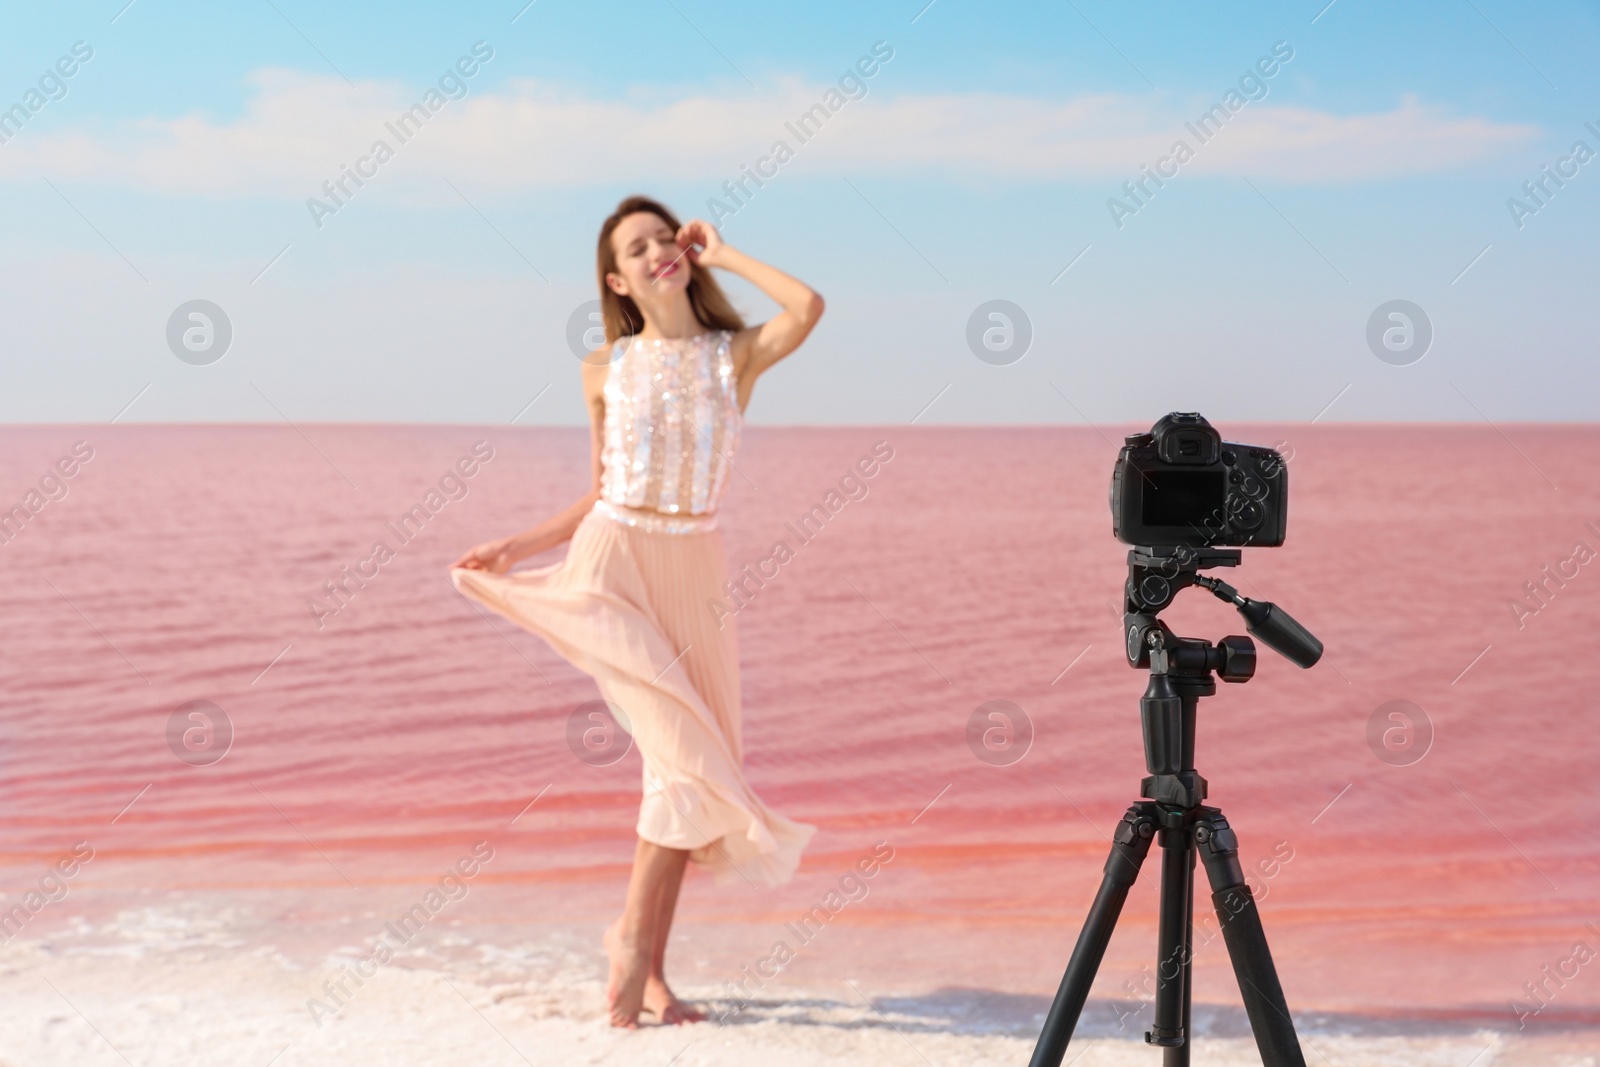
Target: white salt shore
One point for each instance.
(159, 985)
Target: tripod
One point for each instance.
(1172, 816)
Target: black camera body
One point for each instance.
(1181, 484)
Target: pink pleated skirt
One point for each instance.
(631, 605)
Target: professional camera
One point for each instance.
(1181, 484)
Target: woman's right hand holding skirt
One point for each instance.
(496, 557)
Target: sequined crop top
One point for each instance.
(672, 423)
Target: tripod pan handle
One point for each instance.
(1278, 631)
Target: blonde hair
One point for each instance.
(621, 315)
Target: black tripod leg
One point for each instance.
(1172, 956)
(1247, 943)
(1129, 845)
(1179, 1057)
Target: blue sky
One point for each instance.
(977, 164)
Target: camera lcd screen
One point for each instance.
(1182, 498)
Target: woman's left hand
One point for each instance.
(700, 232)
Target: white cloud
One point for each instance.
(299, 129)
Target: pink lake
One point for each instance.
(371, 752)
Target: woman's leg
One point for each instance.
(666, 905)
(658, 996)
(631, 940)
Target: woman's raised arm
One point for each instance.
(757, 347)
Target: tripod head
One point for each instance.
(1181, 668)
(1155, 576)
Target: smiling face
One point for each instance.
(650, 265)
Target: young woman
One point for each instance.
(630, 604)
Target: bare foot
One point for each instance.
(661, 1002)
(630, 966)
